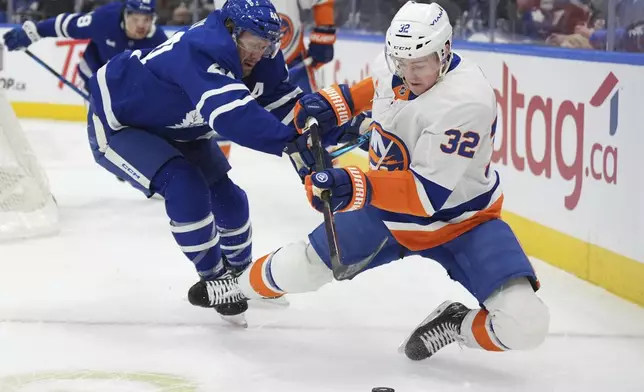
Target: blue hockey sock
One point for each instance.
(230, 205)
(187, 203)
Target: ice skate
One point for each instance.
(441, 328)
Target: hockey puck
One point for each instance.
(382, 389)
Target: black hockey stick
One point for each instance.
(340, 271)
(57, 75)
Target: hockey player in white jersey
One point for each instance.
(429, 192)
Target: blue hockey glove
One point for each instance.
(346, 134)
(352, 130)
(331, 107)
(321, 47)
(350, 188)
(302, 158)
(21, 37)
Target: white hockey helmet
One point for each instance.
(416, 31)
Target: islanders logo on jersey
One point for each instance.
(288, 32)
(386, 150)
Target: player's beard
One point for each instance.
(248, 63)
(247, 69)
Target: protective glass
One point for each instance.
(417, 68)
(257, 45)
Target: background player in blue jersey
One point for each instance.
(153, 114)
(111, 29)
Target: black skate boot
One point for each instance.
(224, 296)
(440, 328)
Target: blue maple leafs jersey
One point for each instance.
(105, 29)
(191, 85)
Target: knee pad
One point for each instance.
(519, 318)
(297, 268)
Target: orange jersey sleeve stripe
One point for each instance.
(418, 240)
(323, 14)
(395, 191)
(481, 334)
(362, 95)
(257, 279)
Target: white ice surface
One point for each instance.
(109, 295)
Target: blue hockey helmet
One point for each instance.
(140, 6)
(258, 17)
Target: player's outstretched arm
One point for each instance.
(229, 108)
(79, 26)
(64, 25)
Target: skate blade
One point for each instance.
(270, 303)
(432, 315)
(238, 320)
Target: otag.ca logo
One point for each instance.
(12, 84)
(599, 162)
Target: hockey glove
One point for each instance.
(20, 38)
(321, 46)
(302, 158)
(350, 189)
(331, 107)
(352, 130)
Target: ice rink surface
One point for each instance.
(102, 306)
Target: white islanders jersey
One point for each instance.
(439, 146)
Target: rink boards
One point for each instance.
(566, 145)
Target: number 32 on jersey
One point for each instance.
(464, 143)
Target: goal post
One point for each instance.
(27, 207)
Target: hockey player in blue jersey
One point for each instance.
(111, 29)
(153, 113)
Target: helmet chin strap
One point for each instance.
(448, 62)
(404, 79)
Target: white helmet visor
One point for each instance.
(414, 68)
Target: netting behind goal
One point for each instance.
(27, 207)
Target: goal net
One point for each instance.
(27, 208)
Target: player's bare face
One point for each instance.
(137, 26)
(419, 74)
(251, 49)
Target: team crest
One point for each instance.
(386, 150)
(287, 29)
(401, 91)
(192, 119)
